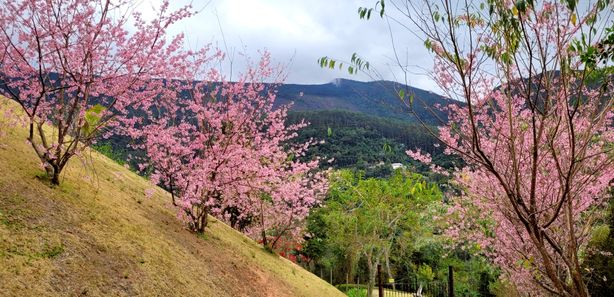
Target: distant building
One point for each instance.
(396, 166)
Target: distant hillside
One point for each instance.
(360, 140)
(99, 235)
(377, 98)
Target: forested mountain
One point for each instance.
(377, 98)
(362, 141)
(364, 124)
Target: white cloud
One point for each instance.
(300, 32)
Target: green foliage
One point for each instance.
(356, 63)
(599, 263)
(365, 13)
(600, 235)
(356, 292)
(353, 221)
(363, 217)
(353, 289)
(115, 154)
(92, 118)
(425, 273)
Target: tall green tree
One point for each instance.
(369, 217)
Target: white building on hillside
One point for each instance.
(396, 166)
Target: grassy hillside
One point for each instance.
(99, 235)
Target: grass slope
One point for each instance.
(98, 235)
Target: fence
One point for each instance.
(430, 289)
(416, 288)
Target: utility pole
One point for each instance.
(450, 282)
(379, 281)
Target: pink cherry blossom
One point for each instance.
(222, 149)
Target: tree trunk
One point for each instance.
(55, 177)
(199, 219)
(388, 271)
(48, 169)
(264, 241)
(578, 284)
(203, 221)
(372, 266)
(371, 277)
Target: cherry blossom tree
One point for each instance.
(534, 127)
(294, 189)
(535, 130)
(222, 149)
(80, 66)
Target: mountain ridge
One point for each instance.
(377, 98)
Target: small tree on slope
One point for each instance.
(222, 149)
(75, 65)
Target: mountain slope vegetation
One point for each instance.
(376, 98)
(105, 231)
(359, 140)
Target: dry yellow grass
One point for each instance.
(98, 235)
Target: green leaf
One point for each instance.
(329, 131)
(428, 44)
(387, 148)
(97, 109)
(322, 61)
(505, 58)
(361, 12)
(92, 118)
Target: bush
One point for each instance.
(357, 292)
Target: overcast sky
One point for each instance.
(298, 32)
